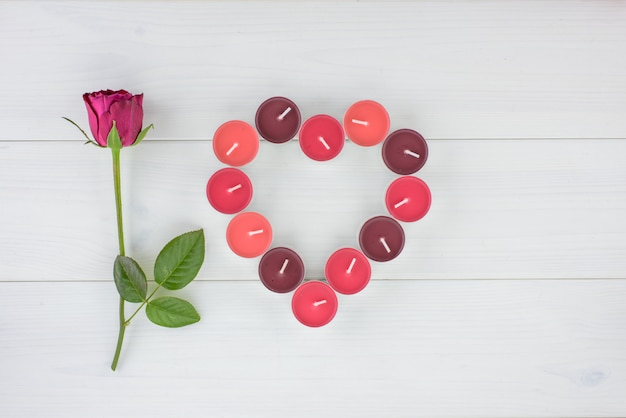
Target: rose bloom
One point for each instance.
(106, 106)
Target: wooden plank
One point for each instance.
(401, 348)
(501, 209)
(450, 69)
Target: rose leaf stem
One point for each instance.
(120, 235)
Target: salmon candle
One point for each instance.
(235, 143)
(366, 123)
(249, 234)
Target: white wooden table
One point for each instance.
(509, 299)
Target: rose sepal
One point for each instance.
(89, 140)
(142, 134)
(113, 140)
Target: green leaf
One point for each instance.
(113, 140)
(142, 134)
(130, 279)
(171, 312)
(180, 260)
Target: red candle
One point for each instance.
(366, 123)
(348, 271)
(249, 234)
(314, 304)
(278, 119)
(381, 238)
(408, 199)
(321, 137)
(281, 270)
(405, 151)
(229, 190)
(235, 143)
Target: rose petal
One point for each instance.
(104, 127)
(128, 116)
(93, 118)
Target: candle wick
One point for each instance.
(382, 241)
(258, 231)
(351, 265)
(282, 115)
(235, 145)
(232, 189)
(400, 203)
(360, 122)
(282, 269)
(411, 153)
(324, 143)
(319, 302)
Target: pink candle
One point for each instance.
(405, 151)
(348, 271)
(321, 137)
(249, 234)
(408, 199)
(381, 238)
(235, 143)
(229, 190)
(366, 123)
(314, 304)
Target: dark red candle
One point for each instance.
(281, 270)
(314, 304)
(348, 271)
(277, 119)
(321, 137)
(229, 190)
(235, 143)
(405, 151)
(408, 199)
(381, 238)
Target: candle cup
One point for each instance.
(229, 190)
(381, 238)
(321, 137)
(235, 143)
(366, 123)
(281, 270)
(314, 304)
(405, 151)
(408, 199)
(278, 119)
(249, 234)
(348, 271)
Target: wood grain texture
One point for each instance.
(400, 348)
(453, 69)
(501, 209)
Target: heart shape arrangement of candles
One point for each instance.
(322, 137)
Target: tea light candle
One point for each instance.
(278, 119)
(366, 123)
(235, 143)
(321, 137)
(405, 151)
(229, 190)
(408, 199)
(348, 271)
(249, 234)
(281, 270)
(314, 304)
(381, 238)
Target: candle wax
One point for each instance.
(405, 151)
(314, 304)
(366, 123)
(229, 190)
(249, 234)
(235, 143)
(321, 137)
(381, 238)
(278, 119)
(348, 271)
(281, 270)
(408, 199)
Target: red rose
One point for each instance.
(106, 106)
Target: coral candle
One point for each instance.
(235, 143)
(348, 271)
(249, 234)
(281, 270)
(314, 304)
(381, 238)
(408, 199)
(405, 151)
(321, 137)
(366, 123)
(229, 190)
(278, 119)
